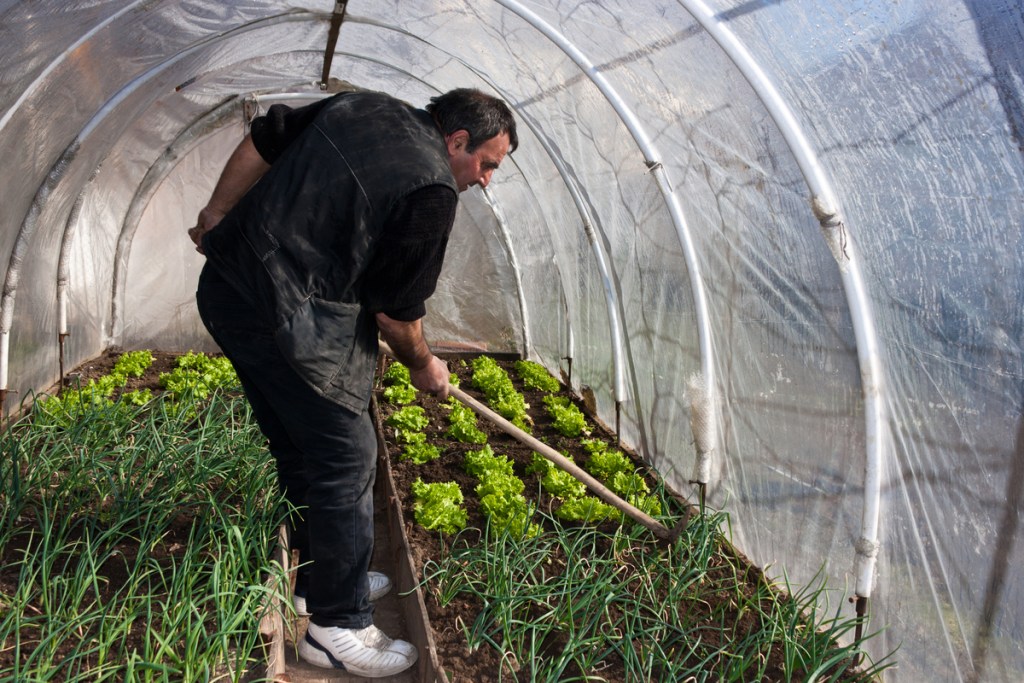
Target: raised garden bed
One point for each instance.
(559, 600)
(138, 523)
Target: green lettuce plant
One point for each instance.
(97, 394)
(617, 472)
(133, 363)
(483, 463)
(500, 492)
(556, 481)
(197, 375)
(398, 388)
(500, 393)
(535, 376)
(604, 463)
(586, 509)
(438, 506)
(407, 420)
(409, 423)
(418, 451)
(463, 424)
(568, 419)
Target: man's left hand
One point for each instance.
(207, 221)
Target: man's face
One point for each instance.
(477, 167)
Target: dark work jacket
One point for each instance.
(298, 243)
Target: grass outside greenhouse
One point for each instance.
(136, 537)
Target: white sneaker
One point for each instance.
(363, 652)
(380, 585)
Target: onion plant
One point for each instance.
(578, 601)
(135, 541)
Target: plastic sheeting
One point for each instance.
(655, 225)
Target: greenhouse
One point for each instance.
(774, 246)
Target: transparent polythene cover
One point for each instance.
(654, 225)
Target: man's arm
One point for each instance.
(244, 168)
(427, 372)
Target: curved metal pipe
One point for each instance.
(63, 162)
(64, 269)
(611, 297)
(150, 183)
(18, 253)
(60, 59)
(651, 157)
(615, 323)
(499, 216)
(826, 210)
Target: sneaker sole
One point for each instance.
(316, 654)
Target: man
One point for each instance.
(328, 226)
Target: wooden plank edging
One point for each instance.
(414, 608)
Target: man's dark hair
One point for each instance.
(477, 113)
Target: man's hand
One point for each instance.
(207, 221)
(432, 379)
(427, 372)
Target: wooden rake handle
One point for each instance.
(598, 489)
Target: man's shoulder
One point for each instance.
(367, 100)
(387, 120)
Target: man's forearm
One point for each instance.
(243, 169)
(427, 372)
(406, 340)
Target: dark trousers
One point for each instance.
(325, 454)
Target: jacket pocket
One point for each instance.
(333, 347)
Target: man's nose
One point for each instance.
(485, 179)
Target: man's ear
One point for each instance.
(457, 141)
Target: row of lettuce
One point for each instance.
(194, 376)
(440, 506)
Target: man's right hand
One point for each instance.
(410, 348)
(432, 379)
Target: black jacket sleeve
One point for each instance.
(278, 128)
(404, 271)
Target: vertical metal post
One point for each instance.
(60, 355)
(862, 610)
(337, 17)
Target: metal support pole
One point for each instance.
(337, 17)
